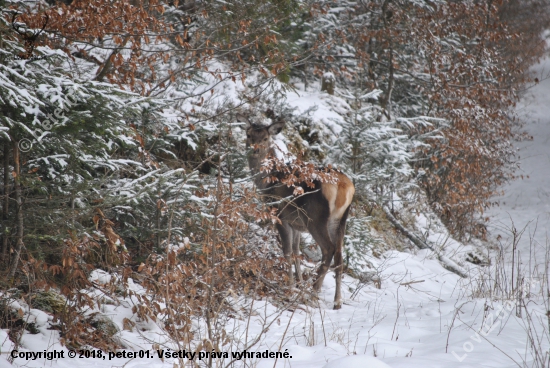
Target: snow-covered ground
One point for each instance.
(422, 315)
(525, 203)
(405, 323)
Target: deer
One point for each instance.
(321, 210)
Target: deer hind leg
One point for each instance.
(322, 237)
(286, 233)
(296, 252)
(338, 264)
(338, 236)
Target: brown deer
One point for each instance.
(321, 210)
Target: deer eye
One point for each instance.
(265, 139)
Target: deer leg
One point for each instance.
(323, 269)
(321, 236)
(338, 265)
(286, 233)
(296, 251)
(338, 237)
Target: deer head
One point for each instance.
(259, 137)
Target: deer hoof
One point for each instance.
(337, 305)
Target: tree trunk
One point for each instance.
(19, 216)
(107, 66)
(6, 202)
(328, 82)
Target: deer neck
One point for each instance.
(255, 164)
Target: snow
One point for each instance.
(403, 324)
(357, 361)
(323, 107)
(280, 148)
(100, 276)
(526, 202)
(329, 76)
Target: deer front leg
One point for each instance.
(290, 272)
(296, 251)
(286, 234)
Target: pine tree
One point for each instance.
(374, 151)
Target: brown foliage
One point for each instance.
(71, 277)
(136, 45)
(201, 277)
(116, 28)
(207, 273)
(296, 173)
(474, 90)
(462, 61)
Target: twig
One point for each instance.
(283, 338)
(451, 327)
(411, 282)
(496, 347)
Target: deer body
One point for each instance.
(321, 211)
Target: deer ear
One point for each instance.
(276, 127)
(241, 118)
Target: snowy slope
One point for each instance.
(406, 323)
